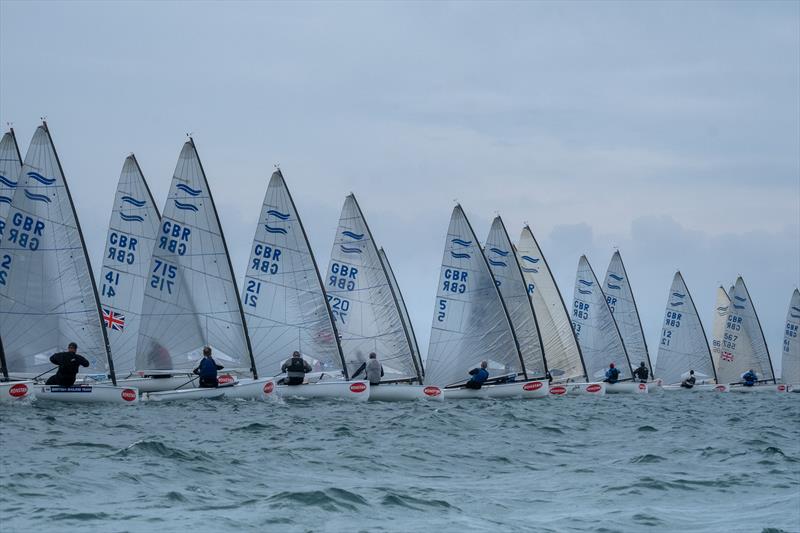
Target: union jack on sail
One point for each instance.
(113, 320)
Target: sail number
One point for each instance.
(122, 247)
(455, 281)
(611, 302)
(5, 265)
(580, 310)
(163, 276)
(441, 310)
(266, 259)
(174, 237)
(343, 277)
(339, 307)
(110, 284)
(666, 337)
(729, 341)
(251, 292)
(25, 231)
(791, 331)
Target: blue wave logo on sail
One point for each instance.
(349, 250)
(188, 190)
(530, 269)
(612, 286)
(675, 304)
(738, 306)
(356, 236)
(41, 179)
(278, 214)
(274, 230)
(133, 201)
(497, 263)
(794, 315)
(796, 309)
(498, 251)
(740, 298)
(678, 295)
(722, 311)
(186, 207)
(530, 259)
(614, 276)
(587, 283)
(131, 218)
(457, 255)
(37, 197)
(7, 182)
(584, 291)
(462, 242)
(5, 200)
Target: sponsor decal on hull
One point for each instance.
(269, 386)
(720, 388)
(594, 387)
(558, 390)
(18, 391)
(358, 387)
(781, 388)
(642, 387)
(225, 379)
(128, 395)
(81, 388)
(533, 385)
(432, 391)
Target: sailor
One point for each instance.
(689, 382)
(68, 363)
(641, 373)
(296, 368)
(479, 376)
(372, 369)
(207, 370)
(612, 374)
(749, 378)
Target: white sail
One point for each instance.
(790, 362)
(191, 299)
(555, 326)
(284, 302)
(600, 340)
(10, 166)
(361, 298)
(470, 322)
(508, 277)
(403, 312)
(743, 343)
(619, 296)
(718, 326)
(132, 232)
(683, 345)
(47, 290)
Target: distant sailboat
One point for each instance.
(48, 297)
(718, 326)
(790, 362)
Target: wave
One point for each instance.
(738, 306)
(796, 309)
(188, 190)
(462, 242)
(41, 179)
(587, 283)
(133, 201)
(155, 448)
(332, 500)
(396, 499)
(498, 251)
(131, 218)
(678, 295)
(274, 230)
(5, 200)
(740, 298)
(616, 277)
(278, 214)
(460, 255)
(356, 236)
(584, 291)
(675, 304)
(530, 259)
(186, 207)
(612, 286)
(349, 250)
(7, 182)
(37, 197)
(497, 263)
(530, 269)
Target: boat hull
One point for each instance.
(13, 391)
(571, 389)
(158, 385)
(401, 392)
(518, 390)
(779, 388)
(705, 387)
(345, 390)
(87, 394)
(183, 394)
(251, 389)
(629, 387)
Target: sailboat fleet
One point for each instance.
(167, 291)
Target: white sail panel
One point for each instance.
(10, 166)
(360, 296)
(619, 296)
(743, 343)
(683, 345)
(132, 232)
(508, 277)
(718, 326)
(470, 323)
(191, 299)
(555, 326)
(790, 361)
(47, 290)
(283, 299)
(600, 340)
(403, 311)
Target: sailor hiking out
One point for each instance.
(641, 373)
(690, 380)
(749, 378)
(372, 369)
(296, 369)
(207, 370)
(68, 363)
(612, 374)
(479, 376)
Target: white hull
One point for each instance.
(16, 390)
(761, 388)
(398, 392)
(518, 389)
(346, 390)
(629, 387)
(251, 389)
(705, 387)
(183, 394)
(158, 385)
(591, 389)
(87, 394)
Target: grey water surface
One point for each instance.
(663, 462)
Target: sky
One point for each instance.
(667, 130)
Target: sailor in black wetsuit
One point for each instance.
(296, 369)
(207, 370)
(641, 373)
(68, 363)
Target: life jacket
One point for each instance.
(480, 376)
(208, 368)
(296, 368)
(374, 371)
(613, 374)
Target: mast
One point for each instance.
(761, 331)
(253, 369)
(616, 328)
(3, 365)
(638, 318)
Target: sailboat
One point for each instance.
(48, 297)
(683, 345)
(790, 361)
(744, 346)
(597, 332)
(367, 312)
(721, 304)
(563, 353)
(619, 296)
(471, 324)
(285, 304)
(191, 299)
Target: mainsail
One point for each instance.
(683, 344)
(191, 299)
(790, 362)
(132, 232)
(283, 297)
(470, 321)
(743, 343)
(601, 342)
(362, 300)
(10, 166)
(718, 326)
(48, 296)
(508, 277)
(403, 311)
(619, 296)
(555, 327)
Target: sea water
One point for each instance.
(659, 462)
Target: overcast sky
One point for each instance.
(669, 130)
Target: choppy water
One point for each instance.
(693, 462)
